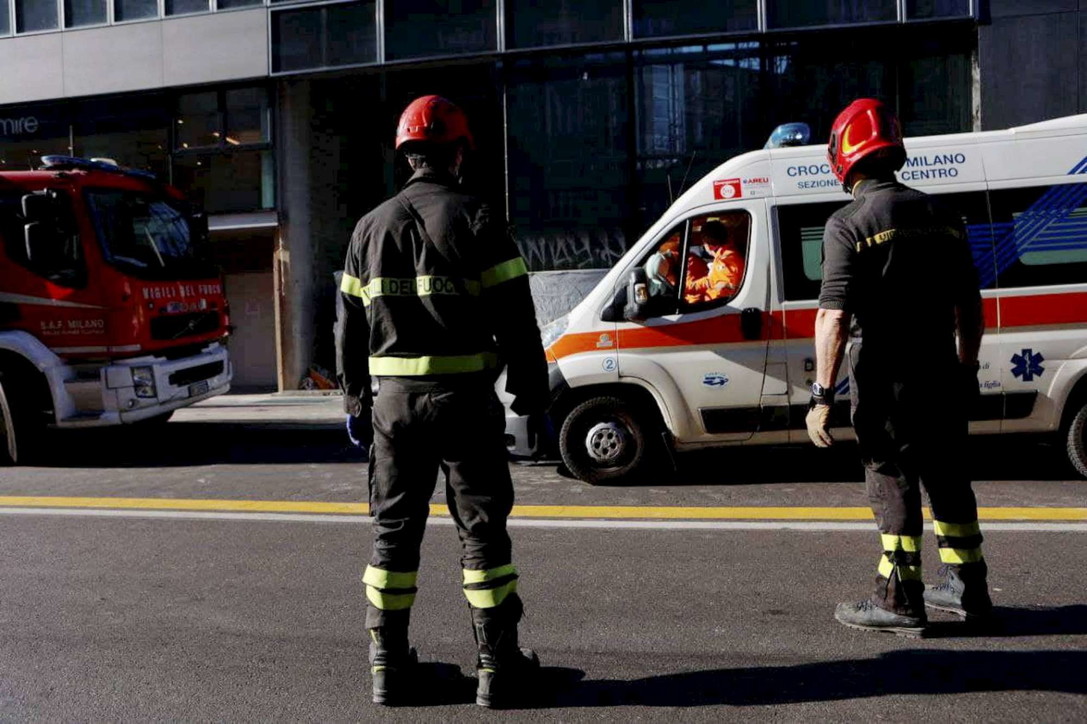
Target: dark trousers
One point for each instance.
(421, 427)
(912, 430)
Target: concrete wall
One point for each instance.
(1033, 58)
(135, 56)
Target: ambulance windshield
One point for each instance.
(145, 235)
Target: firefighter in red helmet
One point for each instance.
(436, 293)
(898, 283)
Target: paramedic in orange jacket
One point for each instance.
(726, 267)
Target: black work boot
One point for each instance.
(506, 671)
(392, 661)
(867, 616)
(963, 592)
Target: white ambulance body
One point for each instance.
(738, 371)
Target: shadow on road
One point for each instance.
(912, 671)
(177, 444)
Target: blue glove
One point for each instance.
(360, 430)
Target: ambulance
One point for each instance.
(109, 311)
(642, 368)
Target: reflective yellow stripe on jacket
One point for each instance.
(503, 272)
(423, 286)
(431, 365)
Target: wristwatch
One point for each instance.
(821, 395)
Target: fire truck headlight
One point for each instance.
(143, 379)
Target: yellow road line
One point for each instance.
(600, 512)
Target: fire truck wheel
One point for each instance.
(1077, 440)
(17, 433)
(606, 440)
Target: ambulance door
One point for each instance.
(707, 346)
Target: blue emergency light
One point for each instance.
(789, 134)
(74, 163)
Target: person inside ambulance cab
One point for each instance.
(725, 269)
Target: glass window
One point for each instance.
(937, 8)
(343, 34)
(134, 10)
(716, 258)
(186, 7)
(934, 94)
(232, 182)
(538, 23)
(56, 252)
(143, 234)
(34, 15)
(247, 116)
(5, 19)
(695, 110)
(231, 4)
(84, 12)
(798, 13)
(134, 134)
(1038, 235)
(569, 163)
(661, 18)
(199, 122)
(421, 28)
(27, 134)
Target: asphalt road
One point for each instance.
(127, 617)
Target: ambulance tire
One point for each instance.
(1077, 440)
(20, 437)
(608, 441)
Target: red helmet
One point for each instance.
(865, 127)
(435, 120)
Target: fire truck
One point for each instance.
(110, 312)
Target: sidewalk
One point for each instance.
(271, 408)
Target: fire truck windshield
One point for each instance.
(145, 235)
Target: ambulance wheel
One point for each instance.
(1077, 440)
(18, 433)
(606, 440)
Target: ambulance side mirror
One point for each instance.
(637, 306)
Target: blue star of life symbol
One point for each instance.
(1028, 365)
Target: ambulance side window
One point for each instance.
(1040, 235)
(800, 229)
(715, 263)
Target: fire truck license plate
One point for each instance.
(198, 389)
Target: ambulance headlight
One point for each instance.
(143, 380)
(553, 330)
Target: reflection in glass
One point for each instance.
(539, 23)
(35, 15)
(246, 116)
(798, 13)
(134, 9)
(695, 109)
(222, 183)
(5, 19)
(568, 162)
(661, 18)
(421, 28)
(937, 8)
(84, 12)
(198, 123)
(186, 7)
(230, 4)
(134, 135)
(334, 35)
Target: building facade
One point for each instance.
(590, 116)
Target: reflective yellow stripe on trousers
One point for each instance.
(390, 590)
(489, 588)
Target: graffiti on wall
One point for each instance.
(580, 249)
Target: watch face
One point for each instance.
(818, 390)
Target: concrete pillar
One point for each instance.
(294, 268)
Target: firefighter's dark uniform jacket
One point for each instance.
(436, 296)
(899, 262)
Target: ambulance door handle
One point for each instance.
(751, 323)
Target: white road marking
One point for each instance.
(800, 525)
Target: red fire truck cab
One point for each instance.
(109, 311)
